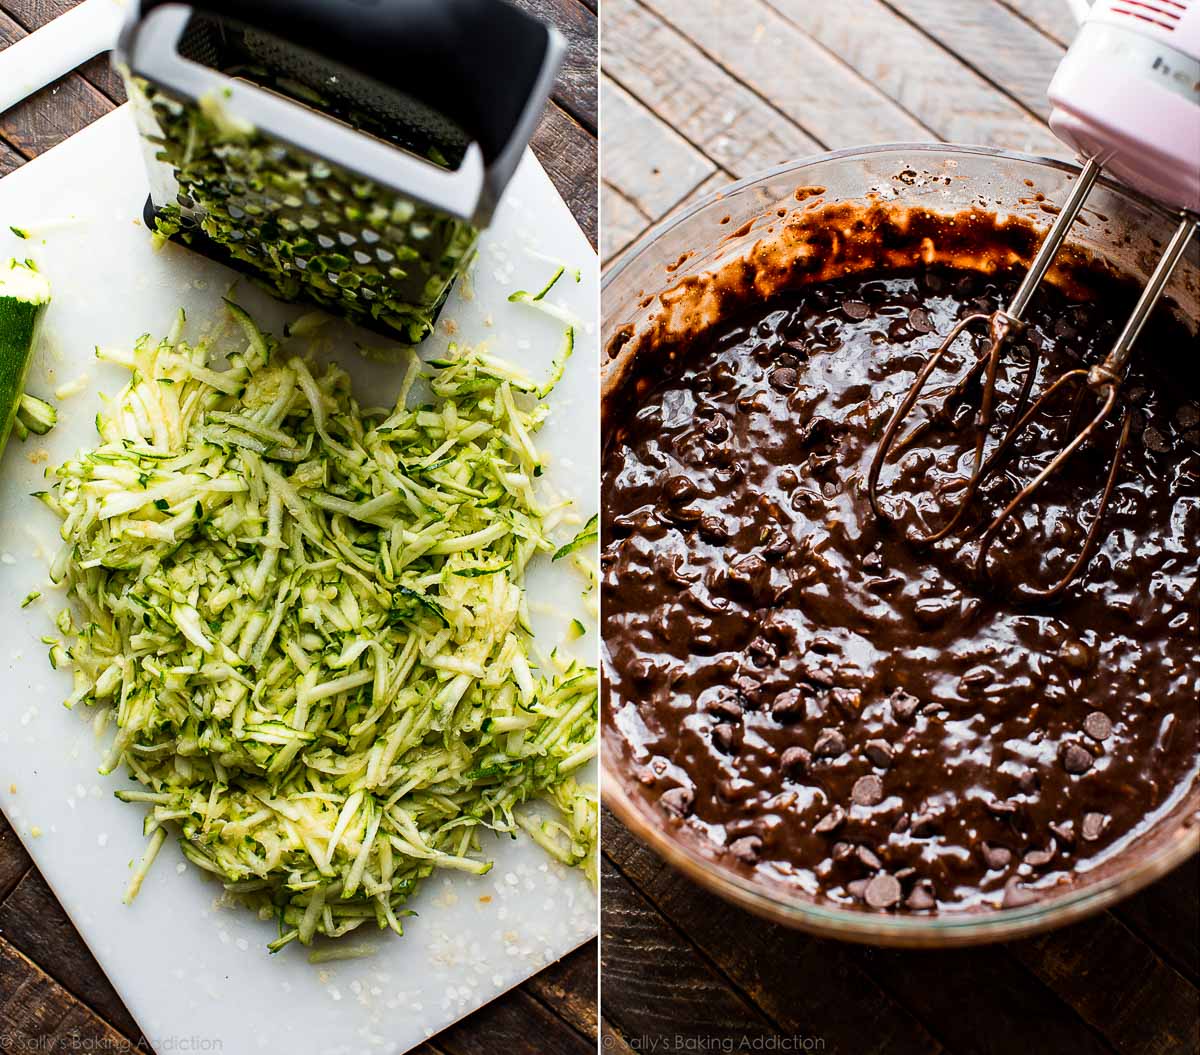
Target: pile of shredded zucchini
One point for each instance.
(309, 624)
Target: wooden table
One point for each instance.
(696, 94)
(53, 995)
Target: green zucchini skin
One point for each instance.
(24, 297)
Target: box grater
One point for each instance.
(343, 152)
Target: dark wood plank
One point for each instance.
(33, 14)
(518, 1024)
(1167, 915)
(569, 988)
(945, 95)
(977, 1004)
(611, 1041)
(39, 1015)
(824, 989)
(1148, 1009)
(10, 160)
(34, 922)
(764, 51)
(576, 88)
(735, 127)
(14, 861)
(656, 984)
(51, 115)
(999, 44)
(569, 155)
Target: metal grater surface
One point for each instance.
(334, 89)
(303, 225)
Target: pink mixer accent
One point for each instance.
(1128, 94)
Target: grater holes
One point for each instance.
(313, 81)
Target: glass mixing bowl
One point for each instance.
(1118, 226)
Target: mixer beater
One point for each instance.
(1127, 96)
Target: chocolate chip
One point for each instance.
(867, 857)
(726, 705)
(713, 528)
(883, 891)
(867, 791)
(830, 743)
(680, 489)
(921, 898)
(725, 737)
(995, 856)
(746, 568)
(879, 753)
(855, 310)
(976, 678)
(1098, 725)
(848, 701)
(932, 612)
(776, 544)
(919, 321)
(791, 703)
(1037, 858)
(1063, 833)
(1156, 441)
(717, 429)
(904, 705)
(783, 379)
(795, 760)
(1016, 896)
(677, 801)
(1076, 760)
(762, 651)
(1075, 654)
(1093, 826)
(746, 849)
(831, 821)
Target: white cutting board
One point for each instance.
(191, 971)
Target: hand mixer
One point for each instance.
(344, 152)
(1127, 98)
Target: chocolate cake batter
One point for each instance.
(819, 702)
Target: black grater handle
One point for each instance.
(479, 62)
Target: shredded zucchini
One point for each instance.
(36, 414)
(310, 626)
(589, 534)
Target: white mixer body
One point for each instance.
(1128, 94)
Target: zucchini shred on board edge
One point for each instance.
(310, 627)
